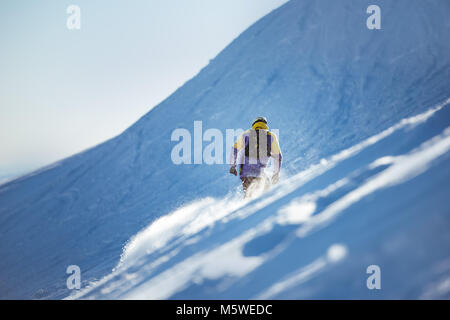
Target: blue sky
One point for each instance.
(62, 91)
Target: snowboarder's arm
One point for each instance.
(238, 146)
(275, 153)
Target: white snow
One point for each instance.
(227, 262)
(334, 254)
(403, 168)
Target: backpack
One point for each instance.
(252, 141)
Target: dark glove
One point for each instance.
(233, 170)
(275, 178)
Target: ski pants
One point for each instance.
(261, 182)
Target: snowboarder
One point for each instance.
(259, 145)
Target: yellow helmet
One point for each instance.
(260, 119)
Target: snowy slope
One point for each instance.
(382, 202)
(327, 83)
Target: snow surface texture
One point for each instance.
(363, 118)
